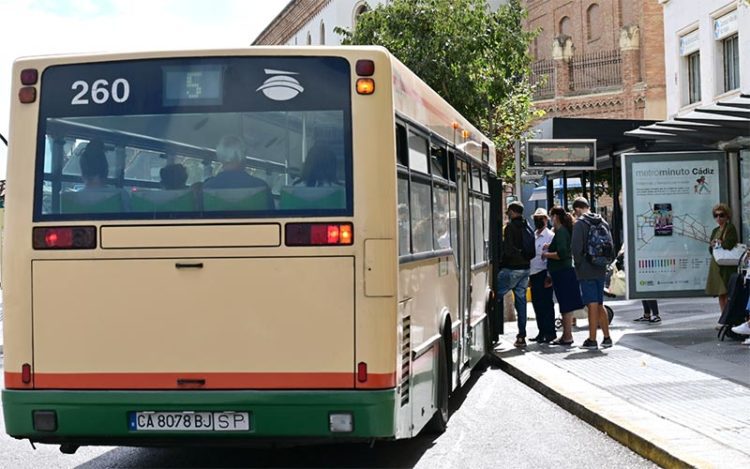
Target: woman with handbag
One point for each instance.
(724, 237)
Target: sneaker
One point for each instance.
(654, 319)
(743, 329)
(589, 344)
(746, 342)
(607, 341)
(520, 342)
(642, 319)
(561, 342)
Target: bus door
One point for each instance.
(464, 258)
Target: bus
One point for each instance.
(237, 246)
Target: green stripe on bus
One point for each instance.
(92, 414)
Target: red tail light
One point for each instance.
(319, 234)
(27, 94)
(65, 237)
(29, 76)
(365, 68)
(26, 373)
(362, 372)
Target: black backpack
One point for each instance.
(528, 242)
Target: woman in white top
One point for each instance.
(541, 291)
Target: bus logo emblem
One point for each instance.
(281, 86)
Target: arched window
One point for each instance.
(593, 22)
(359, 9)
(322, 33)
(309, 38)
(564, 26)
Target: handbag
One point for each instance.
(729, 257)
(617, 283)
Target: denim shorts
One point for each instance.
(592, 291)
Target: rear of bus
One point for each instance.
(159, 288)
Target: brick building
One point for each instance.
(598, 58)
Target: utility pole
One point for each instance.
(519, 188)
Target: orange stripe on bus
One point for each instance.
(193, 380)
(211, 380)
(14, 381)
(379, 381)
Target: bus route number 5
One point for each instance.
(101, 91)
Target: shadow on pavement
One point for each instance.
(402, 453)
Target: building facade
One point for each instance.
(707, 52)
(598, 58)
(313, 22)
(707, 57)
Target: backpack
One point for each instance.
(599, 249)
(528, 242)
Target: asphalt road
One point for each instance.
(497, 422)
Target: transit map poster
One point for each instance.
(668, 200)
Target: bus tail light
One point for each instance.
(362, 372)
(29, 76)
(27, 94)
(319, 234)
(66, 237)
(26, 373)
(365, 68)
(365, 86)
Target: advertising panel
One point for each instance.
(668, 200)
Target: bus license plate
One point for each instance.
(190, 421)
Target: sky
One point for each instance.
(42, 27)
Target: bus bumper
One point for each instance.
(102, 417)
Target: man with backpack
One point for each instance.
(593, 251)
(518, 250)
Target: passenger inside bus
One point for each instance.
(231, 154)
(96, 196)
(173, 177)
(233, 188)
(318, 185)
(94, 166)
(320, 167)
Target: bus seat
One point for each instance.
(302, 197)
(251, 198)
(180, 200)
(103, 200)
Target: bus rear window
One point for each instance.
(195, 138)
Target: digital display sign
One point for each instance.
(561, 154)
(193, 85)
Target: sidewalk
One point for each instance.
(670, 391)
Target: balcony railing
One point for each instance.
(543, 77)
(595, 71)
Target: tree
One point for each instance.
(476, 59)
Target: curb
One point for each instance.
(628, 438)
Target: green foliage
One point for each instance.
(476, 59)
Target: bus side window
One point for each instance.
(404, 217)
(438, 161)
(402, 152)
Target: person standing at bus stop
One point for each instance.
(514, 268)
(592, 252)
(541, 291)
